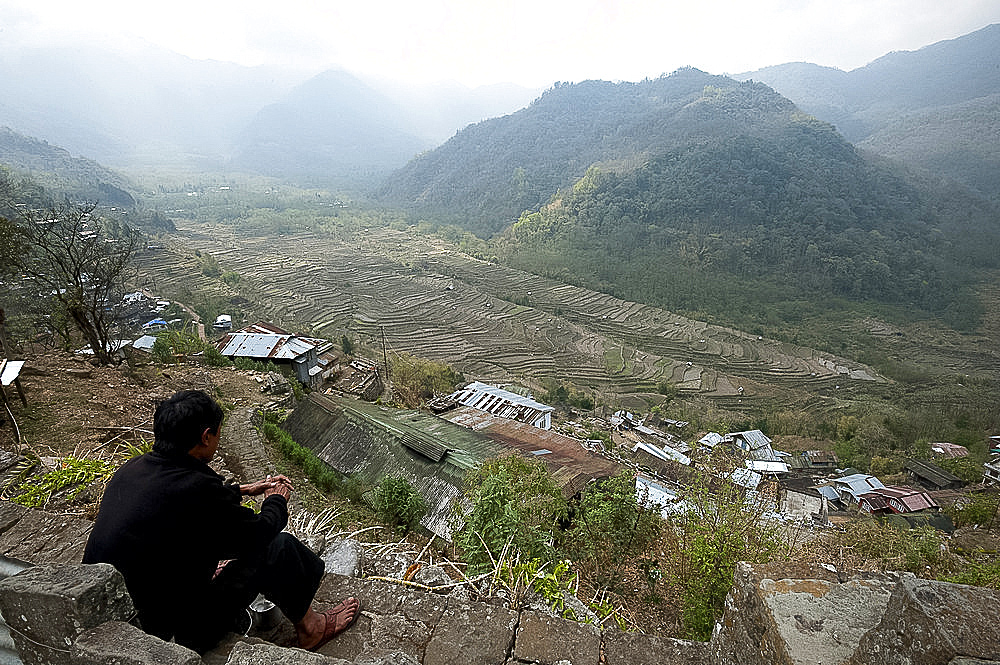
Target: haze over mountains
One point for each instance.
(937, 108)
(148, 107)
(691, 190)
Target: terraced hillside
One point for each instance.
(494, 323)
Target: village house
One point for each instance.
(899, 500)
(800, 499)
(943, 450)
(846, 490)
(505, 404)
(266, 342)
(931, 476)
(431, 452)
(759, 455)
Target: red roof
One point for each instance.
(898, 499)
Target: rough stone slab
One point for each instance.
(394, 618)
(244, 653)
(119, 643)
(930, 623)
(622, 648)
(344, 557)
(548, 640)
(472, 633)
(10, 514)
(790, 621)
(48, 607)
(39, 537)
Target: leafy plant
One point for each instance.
(398, 503)
(611, 528)
(321, 475)
(514, 502)
(72, 472)
(721, 527)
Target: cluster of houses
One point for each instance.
(806, 485)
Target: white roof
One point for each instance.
(500, 402)
(767, 467)
(266, 345)
(754, 438)
(145, 342)
(745, 478)
(858, 483)
(711, 439)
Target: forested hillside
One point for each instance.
(740, 227)
(707, 196)
(935, 108)
(75, 177)
(485, 176)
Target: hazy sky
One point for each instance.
(531, 42)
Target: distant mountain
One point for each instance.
(490, 172)
(333, 125)
(141, 106)
(57, 170)
(704, 194)
(137, 105)
(885, 104)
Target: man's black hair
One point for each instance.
(179, 421)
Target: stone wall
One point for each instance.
(74, 614)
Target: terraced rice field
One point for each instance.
(437, 303)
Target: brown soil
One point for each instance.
(81, 410)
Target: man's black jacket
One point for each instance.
(165, 522)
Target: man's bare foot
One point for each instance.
(316, 629)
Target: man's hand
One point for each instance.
(271, 485)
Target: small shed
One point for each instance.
(931, 476)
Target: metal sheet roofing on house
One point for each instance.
(754, 438)
(566, 455)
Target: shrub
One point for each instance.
(513, 502)
(321, 475)
(398, 503)
(720, 529)
(611, 528)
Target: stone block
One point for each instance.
(548, 640)
(788, 621)
(119, 643)
(931, 623)
(38, 537)
(48, 607)
(472, 633)
(344, 557)
(622, 648)
(244, 653)
(394, 618)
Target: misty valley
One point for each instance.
(804, 253)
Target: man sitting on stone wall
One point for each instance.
(167, 521)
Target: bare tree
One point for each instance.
(81, 262)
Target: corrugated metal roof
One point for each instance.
(568, 460)
(766, 467)
(754, 439)
(501, 402)
(932, 473)
(907, 499)
(858, 483)
(353, 436)
(261, 345)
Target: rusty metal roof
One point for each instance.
(567, 459)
